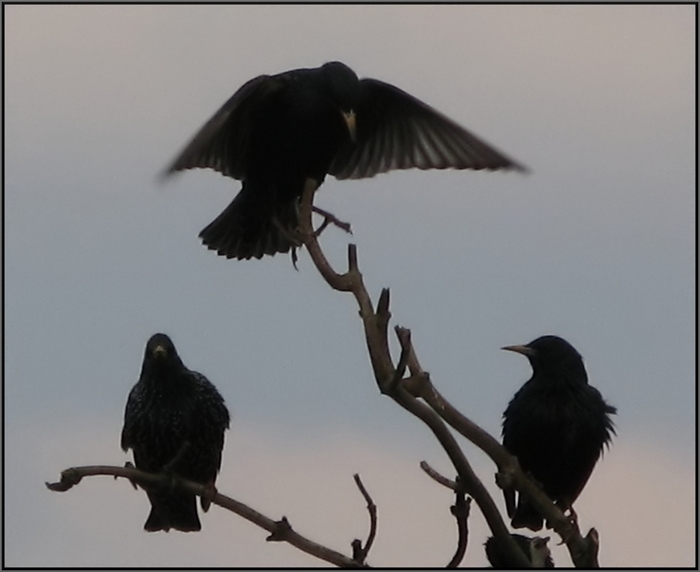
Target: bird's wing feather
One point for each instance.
(397, 131)
(222, 142)
(129, 418)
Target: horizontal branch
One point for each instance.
(279, 530)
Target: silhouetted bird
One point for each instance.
(278, 133)
(556, 425)
(535, 550)
(174, 421)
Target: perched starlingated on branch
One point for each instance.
(557, 425)
(174, 422)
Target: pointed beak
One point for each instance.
(525, 350)
(350, 121)
(159, 352)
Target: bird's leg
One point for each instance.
(130, 465)
(292, 236)
(330, 218)
(310, 186)
(209, 494)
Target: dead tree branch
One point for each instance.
(406, 391)
(437, 477)
(376, 327)
(359, 552)
(279, 530)
(583, 550)
(460, 510)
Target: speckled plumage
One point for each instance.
(557, 425)
(169, 408)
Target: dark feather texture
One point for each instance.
(174, 420)
(557, 425)
(276, 132)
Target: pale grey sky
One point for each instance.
(595, 245)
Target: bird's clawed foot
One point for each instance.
(130, 465)
(209, 494)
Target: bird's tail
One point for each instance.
(254, 224)
(173, 510)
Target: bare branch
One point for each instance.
(437, 477)
(359, 552)
(510, 473)
(329, 218)
(460, 510)
(375, 327)
(384, 370)
(279, 530)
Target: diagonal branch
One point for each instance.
(583, 552)
(375, 328)
(279, 530)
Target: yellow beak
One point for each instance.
(160, 352)
(350, 121)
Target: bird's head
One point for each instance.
(160, 347)
(160, 354)
(552, 355)
(344, 88)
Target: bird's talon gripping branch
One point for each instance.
(129, 465)
(209, 494)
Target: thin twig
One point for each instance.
(437, 477)
(331, 218)
(460, 510)
(279, 530)
(360, 552)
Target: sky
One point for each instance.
(596, 244)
